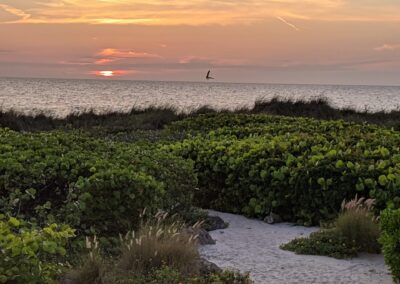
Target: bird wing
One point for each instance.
(208, 73)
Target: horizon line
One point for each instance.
(200, 81)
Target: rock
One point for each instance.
(215, 223)
(64, 280)
(272, 218)
(202, 236)
(207, 267)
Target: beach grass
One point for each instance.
(156, 117)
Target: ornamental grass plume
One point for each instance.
(93, 268)
(358, 224)
(159, 243)
(358, 204)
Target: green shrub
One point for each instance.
(355, 230)
(96, 186)
(29, 255)
(390, 240)
(300, 169)
(325, 242)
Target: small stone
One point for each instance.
(207, 267)
(272, 218)
(202, 236)
(215, 223)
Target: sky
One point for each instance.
(257, 41)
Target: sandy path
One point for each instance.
(252, 245)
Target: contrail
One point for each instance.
(287, 23)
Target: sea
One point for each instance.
(60, 97)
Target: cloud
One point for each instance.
(109, 56)
(22, 15)
(387, 47)
(79, 62)
(104, 61)
(198, 12)
(195, 60)
(207, 61)
(125, 53)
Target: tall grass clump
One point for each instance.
(320, 108)
(160, 252)
(358, 225)
(157, 244)
(93, 268)
(149, 118)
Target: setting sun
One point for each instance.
(112, 73)
(106, 73)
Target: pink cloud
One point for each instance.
(104, 61)
(124, 53)
(387, 47)
(212, 61)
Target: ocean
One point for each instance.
(59, 97)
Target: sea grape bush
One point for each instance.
(31, 255)
(299, 168)
(390, 240)
(96, 186)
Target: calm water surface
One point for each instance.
(60, 97)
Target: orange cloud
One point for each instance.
(104, 61)
(199, 12)
(123, 53)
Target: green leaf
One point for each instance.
(339, 164)
(382, 180)
(14, 222)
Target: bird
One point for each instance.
(208, 75)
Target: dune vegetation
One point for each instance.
(72, 188)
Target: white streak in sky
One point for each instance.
(287, 23)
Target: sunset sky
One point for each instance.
(271, 41)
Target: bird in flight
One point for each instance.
(208, 77)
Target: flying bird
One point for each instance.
(208, 77)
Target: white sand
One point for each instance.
(253, 246)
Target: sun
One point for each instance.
(106, 73)
(111, 73)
